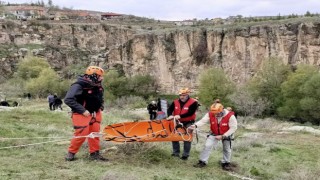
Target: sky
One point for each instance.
(190, 9)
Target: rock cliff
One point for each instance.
(175, 57)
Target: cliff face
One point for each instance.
(175, 58)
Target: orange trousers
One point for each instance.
(83, 126)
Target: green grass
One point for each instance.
(271, 156)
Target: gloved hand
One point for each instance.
(192, 127)
(170, 117)
(86, 113)
(177, 117)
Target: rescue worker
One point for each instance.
(50, 99)
(184, 111)
(223, 125)
(152, 109)
(85, 98)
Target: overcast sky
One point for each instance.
(189, 9)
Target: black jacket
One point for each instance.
(84, 95)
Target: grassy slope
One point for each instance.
(270, 156)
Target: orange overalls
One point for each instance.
(83, 126)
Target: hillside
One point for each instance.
(173, 55)
(262, 150)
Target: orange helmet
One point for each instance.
(184, 91)
(216, 108)
(94, 70)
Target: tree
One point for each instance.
(246, 104)
(47, 82)
(30, 67)
(310, 103)
(214, 84)
(119, 86)
(297, 93)
(142, 85)
(115, 86)
(50, 3)
(308, 14)
(267, 81)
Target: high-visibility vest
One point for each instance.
(179, 111)
(223, 126)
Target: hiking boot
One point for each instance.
(226, 166)
(200, 164)
(70, 156)
(184, 158)
(96, 156)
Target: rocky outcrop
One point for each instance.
(174, 57)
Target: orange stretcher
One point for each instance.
(146, 131)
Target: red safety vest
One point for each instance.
(185, 109)
(222, 127)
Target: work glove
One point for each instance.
(177, 117)
(170, 117)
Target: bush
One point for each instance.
(267, 81)
(31, 67)
(301, 95)
(214, 84)
(119, 86)
(129, 102)
(47, 82)
(246, 104)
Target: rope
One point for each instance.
(33, 138)
(91, 135)
(175, 129)
(24, 145)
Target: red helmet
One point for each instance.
(94, 70)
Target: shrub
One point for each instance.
(301, 95)
(47, 82)
(31, 67)
(246, 104)
(267, 81)
(214, 84)
(119, 86)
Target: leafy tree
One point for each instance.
(300, 92)
(47, 82)
(117, 85)
(142, 85)
(246, 104)
(308, 14)
(214, 84)
(31, 67)
(267, 81)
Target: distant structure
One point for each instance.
(110, 15)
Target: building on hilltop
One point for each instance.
(110, 15)
(25, 12)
